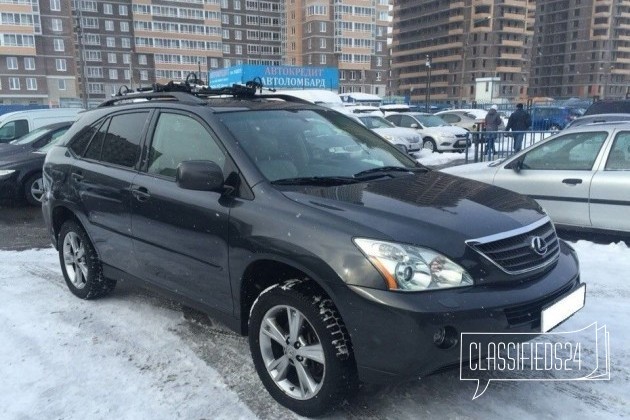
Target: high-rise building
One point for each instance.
(581, 49)
(36, 53)
(473, 49)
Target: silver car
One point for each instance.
(580, 176)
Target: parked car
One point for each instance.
(328, 252)
(621, 106)
(579, 176)
(14, 125)
(21, 163)
(553, 118)
(437, 135)
(597, 119)
(406, 139)
(394, 108)
(461, 118)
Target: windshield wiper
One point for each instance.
(316, 180)
(369, 173)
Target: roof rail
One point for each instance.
(189, 91)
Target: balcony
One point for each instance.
(512, 43)
(507, 56)
(506, 69)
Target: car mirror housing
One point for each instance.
(414, 125)
(200, 175)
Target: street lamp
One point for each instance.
(428, 95)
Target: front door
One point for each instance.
(558, 175)
(181, 236)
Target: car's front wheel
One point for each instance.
(34, 190)
(429, 144)
(80, 264)
(300, 348)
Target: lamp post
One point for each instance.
(428, 93)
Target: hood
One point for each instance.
(7, 150)
(26, 155)
(432, 209)
(406, 133)
(445, 130)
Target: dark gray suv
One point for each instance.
(340, 257)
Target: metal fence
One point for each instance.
(502, 143)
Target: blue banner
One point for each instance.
(278, 77)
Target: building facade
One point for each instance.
(36, 53)
(458, 42)
(581, 49)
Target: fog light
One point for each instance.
(445, 337)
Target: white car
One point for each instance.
(580, 176)
(437, 134)
(406, 139)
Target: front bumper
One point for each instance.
(393, 333)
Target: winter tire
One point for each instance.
(80, 264)
(301, 349)
(429, 144)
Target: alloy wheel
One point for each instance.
(74, 260)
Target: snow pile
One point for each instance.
(426, 157)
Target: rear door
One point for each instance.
(102, 179)
(610, 192)
(558, 174)
(181, 236)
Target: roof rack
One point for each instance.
(190, 90)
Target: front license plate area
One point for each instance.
(560, 310)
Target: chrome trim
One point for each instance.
(509, 234)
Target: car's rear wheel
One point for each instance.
(34, 189)
(300, 348)
(80, 265)
(429, 144)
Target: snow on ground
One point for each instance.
(136, 356)
(428, 158)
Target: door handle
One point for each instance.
(572, 181)
(77, 176)
(141, 193)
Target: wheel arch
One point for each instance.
(263, 273)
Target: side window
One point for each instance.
(178, 138)
(395, 119)
(121, 145)
(96, 145)
(450, 118)
(80, 141)
(619, 157)
(575, 151)
(14, 130)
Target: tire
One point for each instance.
(34, 190)
(329, 368)
(80, 264)
(429, 144)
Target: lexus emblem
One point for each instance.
(539, 245)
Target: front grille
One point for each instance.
(530, 312)
(461, 136)
(514, 251)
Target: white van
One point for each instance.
(16, 124)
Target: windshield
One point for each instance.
(431, 120)
(376, 122)
(56, 139)
(288, 144)
(33, 135)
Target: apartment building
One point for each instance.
(36, 53)
(469, 46)
(581, 49)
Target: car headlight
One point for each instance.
(394, 139)
(411, 268)
(6, 172)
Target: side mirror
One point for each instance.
(200, 175)
(414, 125)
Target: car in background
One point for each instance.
(597, 119)
(553, 118)
(34, 140)
(14, 125)
(363, 110)
(461, 118)
(437, 134)
(406, 139)
(580, 176)
(621, 106)
(21, 163)
(394, 108)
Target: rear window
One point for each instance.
(609, 107)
